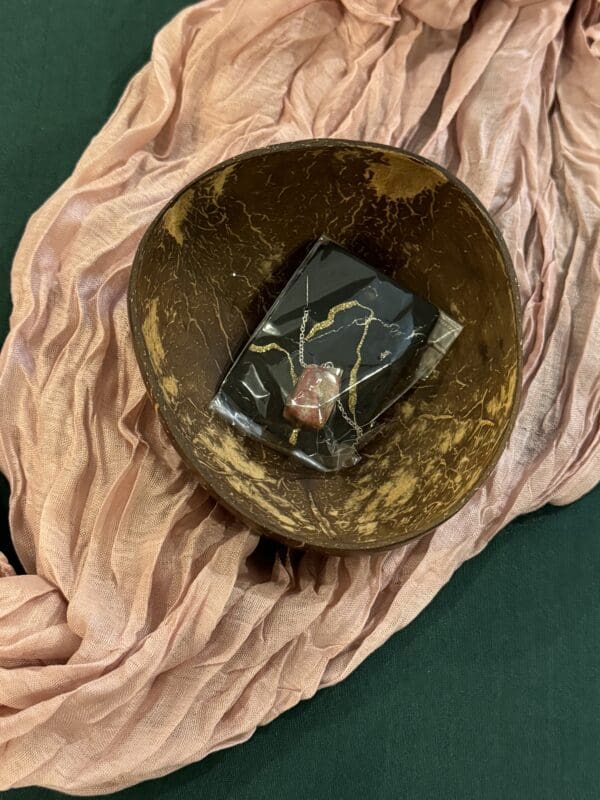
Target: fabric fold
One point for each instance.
(153, 627)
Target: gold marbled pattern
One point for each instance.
(265, 348)
(213, 261)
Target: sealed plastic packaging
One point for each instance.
(339, 346)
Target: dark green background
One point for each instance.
(494, 691)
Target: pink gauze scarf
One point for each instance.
(145, 635)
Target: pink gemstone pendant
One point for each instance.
(312, 402)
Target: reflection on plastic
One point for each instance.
(339, 346)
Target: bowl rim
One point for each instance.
(168, 418)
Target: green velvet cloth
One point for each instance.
(494, 691)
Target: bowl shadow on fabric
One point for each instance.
(213, 260)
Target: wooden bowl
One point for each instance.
(214, 259)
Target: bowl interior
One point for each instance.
(215, 258)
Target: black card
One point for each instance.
(339, 313)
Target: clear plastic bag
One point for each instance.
(340, 345)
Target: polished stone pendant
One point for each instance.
(314, 396)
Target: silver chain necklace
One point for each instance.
(327, 364)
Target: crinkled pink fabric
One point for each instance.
(146, 635)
